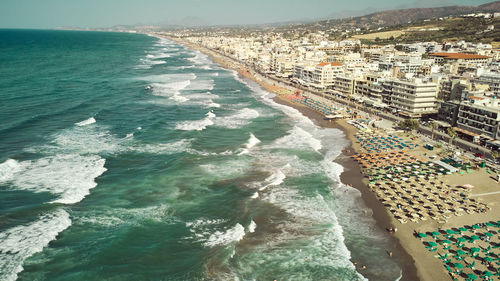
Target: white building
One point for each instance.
(480, 115)
(413, 98)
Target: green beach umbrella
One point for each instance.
(476, 226)
(463, 229)
(459, 265)
(490, 224)
(474, 237)
(449, 231)
(461, 239)
(488, 234)
(422, 235)
(472, 276)
(435, 233)
(475, 250)
(487, 273)
(460, 252)
(488, 259)
(433, 244)
(446, 241)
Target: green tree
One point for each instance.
(494, 154)
(409, 124)
(452, 133)
(434, 126)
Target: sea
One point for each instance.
(131, 157)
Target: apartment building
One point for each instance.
(412, 98)
(441, 58)
(324, 74)
(480, 115)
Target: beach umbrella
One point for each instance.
(435, 233)
(459, 265)
(488, 259)
(449, 231)
(488, 234)
(490, 224)
(422, 235)
(446, 241)
(461, 239)
(475, 250)
(487, 273)
(474, 237)
(476, 226)
(460, 252)
(472, 276)
(463, 228)
(433, 244)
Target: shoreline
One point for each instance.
(352, 172)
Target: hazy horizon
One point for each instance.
(94, 13)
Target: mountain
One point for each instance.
(395, 17)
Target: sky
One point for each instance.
(106, 13)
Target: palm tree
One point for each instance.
(494, 155)
(434, 126)
(452, 133)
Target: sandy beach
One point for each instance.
(417, 262)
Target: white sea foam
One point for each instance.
(228, 168)
(168, 78)
(197, 125)
(212, 104)
(205, 222)
(275, 179)
(183, 145)
(298, 138)
(114, 217)
(89, 121)
(69, 176)
(21, 242)
(231, 235)
(147, 63)
(201, 84)
(242, 118)
(158, 55)
(252, 227)
(255, 195)
(169, 89)
(8, 169)
(83, 140)
(178, 98)
(313, 211)
(200, 58)
(252, 141)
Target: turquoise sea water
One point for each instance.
(129, 157)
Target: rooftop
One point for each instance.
(457, 56)
(330, 63)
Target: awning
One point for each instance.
(446, 166)
(463, 131)
(334, 116)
